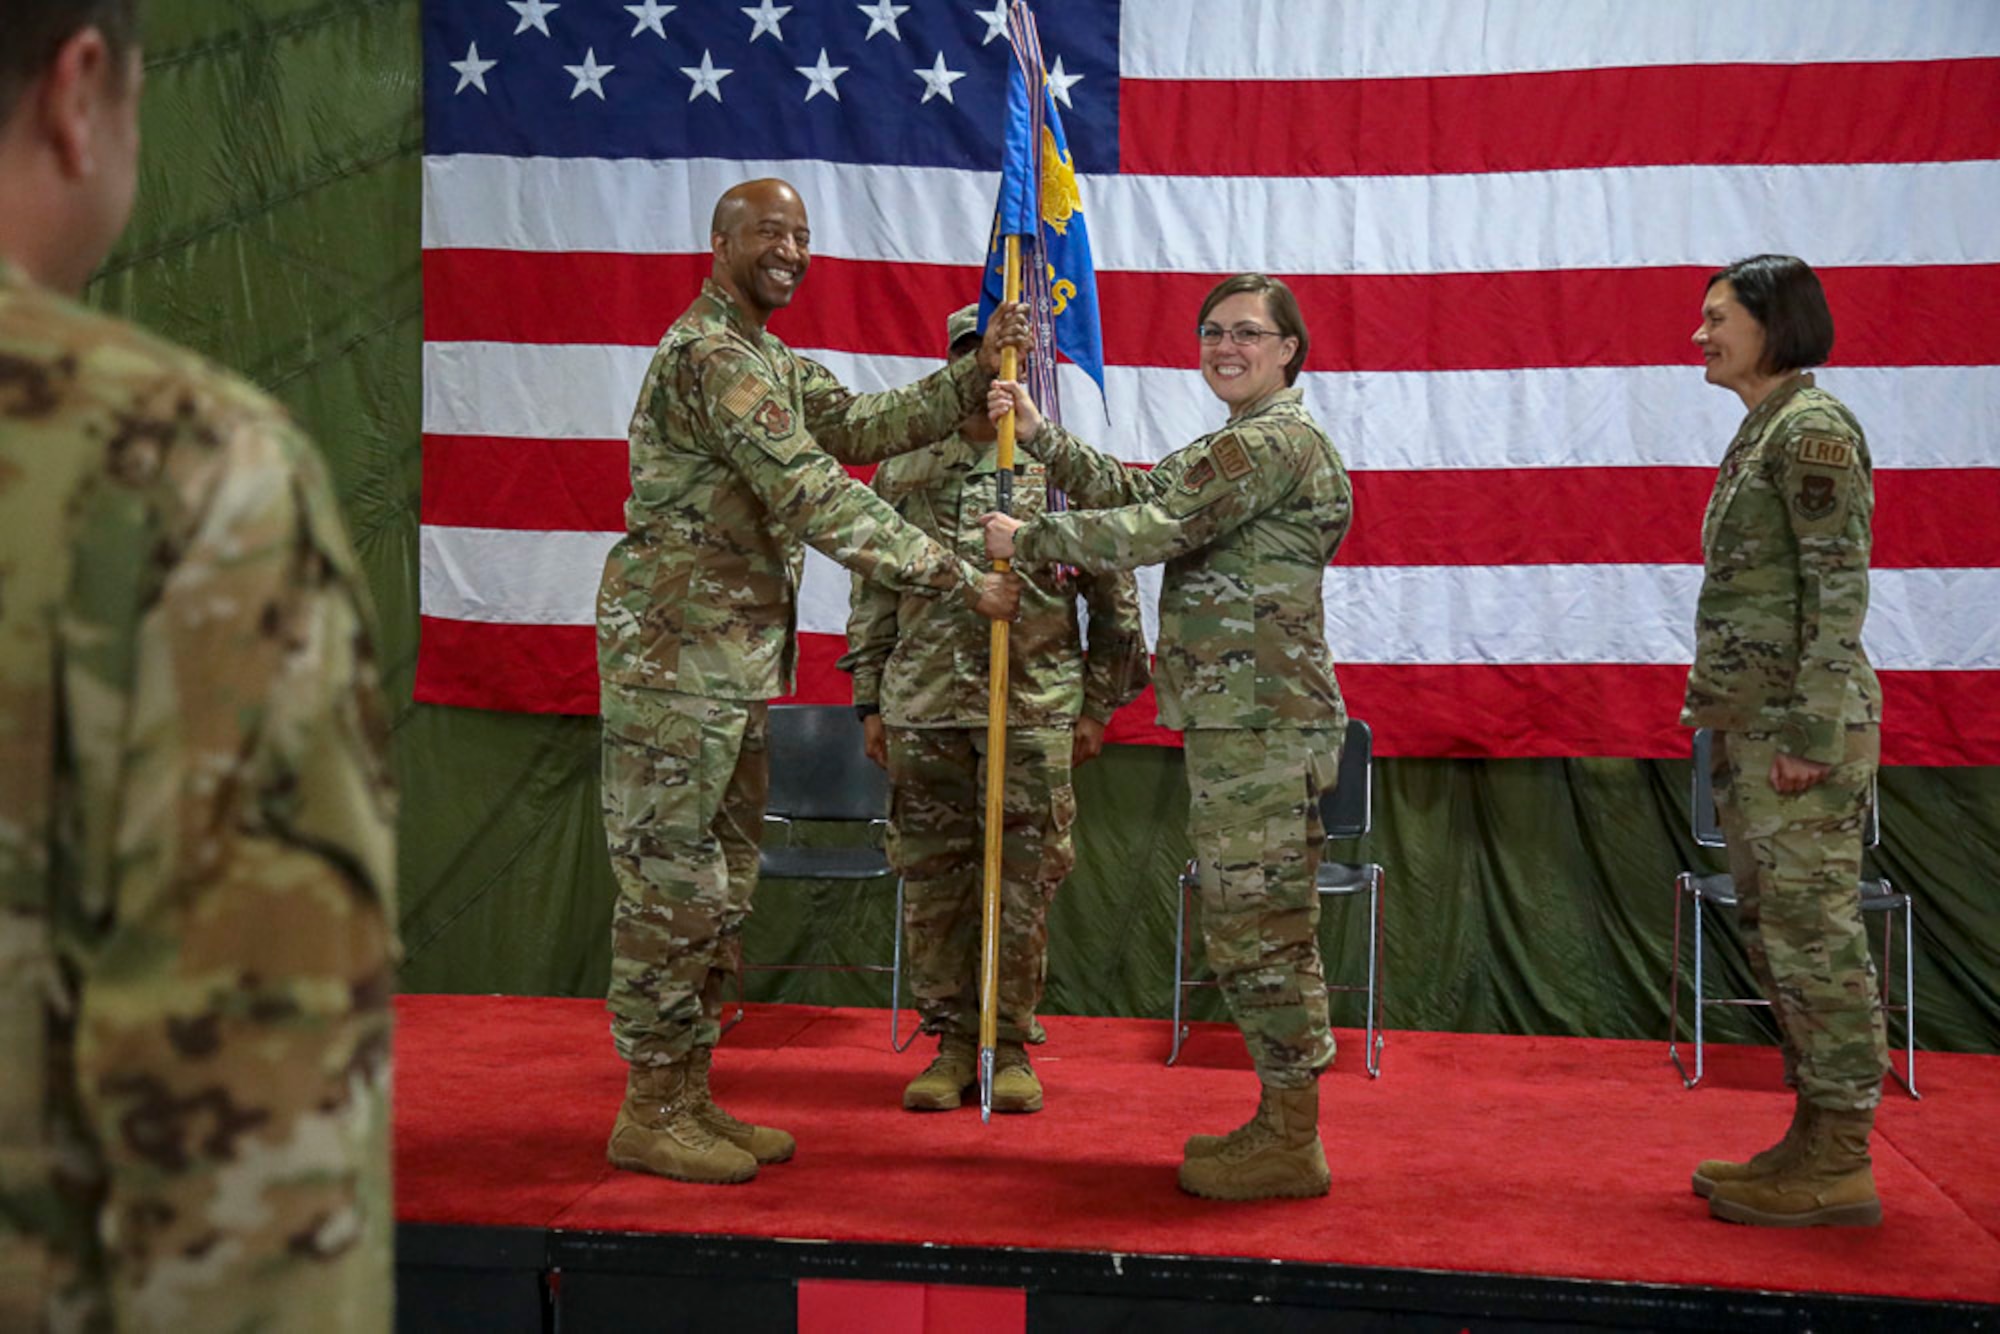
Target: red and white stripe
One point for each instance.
(1501, 255)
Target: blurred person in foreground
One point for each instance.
(196, 827)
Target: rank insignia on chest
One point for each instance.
(773, 418)
(1816, 498)
(1232, 458)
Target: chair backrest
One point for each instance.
(1348, 810)
(1706, 822)
(818, 770)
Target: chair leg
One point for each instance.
(1372, 1053)
(1681, 884)
(1695, 913)
(1907, 1076)
(736, 967)
(896, 981)
(1180, 964)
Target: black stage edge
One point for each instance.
(536, 1281)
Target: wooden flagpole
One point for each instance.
(996, 738)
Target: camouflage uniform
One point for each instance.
(924, 663)
(736, 453)
(196, 852)
(1246, 520)
(1779, 666)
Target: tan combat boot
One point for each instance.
(1713, 1171)
(944, 1081)
(1276, 1156)
(1207, 1146)
(1015, 1088)
(659, 1132)
(1830, 1184)
(767, 1144)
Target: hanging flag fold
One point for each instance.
(1041, 203)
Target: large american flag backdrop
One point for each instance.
(1498, 217)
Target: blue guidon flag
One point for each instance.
(1041, 203)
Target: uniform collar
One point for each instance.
(1760, 415)
(730, 312)
(1276, 398)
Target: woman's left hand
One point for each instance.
(999, 535)
(1792, 775)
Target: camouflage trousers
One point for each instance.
(684, 787)
(1796, 861)
(937, 842)
(1254, 817)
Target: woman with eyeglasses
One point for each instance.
(1780, 674)
(1245, 519)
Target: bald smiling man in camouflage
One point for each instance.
(737, 447)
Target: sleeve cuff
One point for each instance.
(1820, 740)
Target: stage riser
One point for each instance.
(521, 1281)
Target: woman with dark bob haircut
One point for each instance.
(1780, 675)
(1246, 519)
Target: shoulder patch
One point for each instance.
(1826, 451)
(1197, 478)
(1818, 496)
(773, 418)
(1232, 458)
(741, 393)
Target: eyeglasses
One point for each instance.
(1242, 335)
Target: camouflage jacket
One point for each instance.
(197, 849)
(736, 452)
(1784, 587)
(925, 661)
(1246, 520)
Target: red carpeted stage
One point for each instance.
(1482, 1182)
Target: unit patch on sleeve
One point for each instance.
(1818, 494)
(1195, 479)
(773, 418)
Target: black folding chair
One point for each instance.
(820, 775)
(1719, 891)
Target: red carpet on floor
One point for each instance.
(1557, 1157)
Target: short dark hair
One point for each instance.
(1783, 294)
(37, 29)
(1284, 311)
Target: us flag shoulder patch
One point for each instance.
(742, 394)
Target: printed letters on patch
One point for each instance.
(1826, 452)
(1230, 456)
